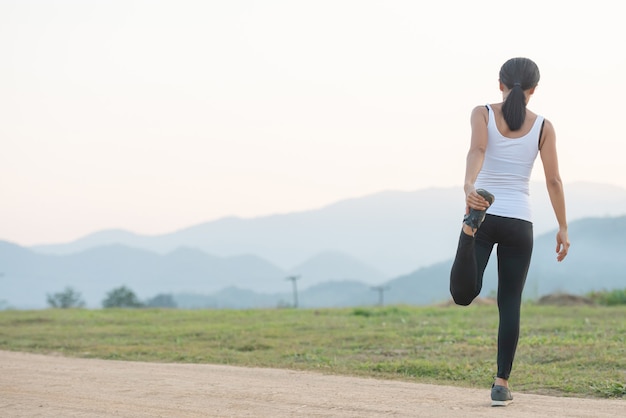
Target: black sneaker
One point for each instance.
(476, 217)
(500, 396)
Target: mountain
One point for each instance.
(356, 227)
(29, 276)
(337, 293)
(231, 297)
(324, 295)
(197, 280)
(332, 265)
(393, 232)
(595, 262)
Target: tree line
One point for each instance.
(121, 297)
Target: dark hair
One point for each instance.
(518, 74)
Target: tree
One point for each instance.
(162, 301)
(122, 297)
(69, 298)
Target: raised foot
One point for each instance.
(476, 217)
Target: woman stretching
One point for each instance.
(506, 139)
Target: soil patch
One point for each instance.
(34, 385)
(564, 299)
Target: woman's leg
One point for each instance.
(472, 255)
(514, 254)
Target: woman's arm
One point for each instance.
(555, 187)
(475, 157)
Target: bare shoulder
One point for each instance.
(548, 130)
(480, 113)
(548, 127)
(480, 109)
(548, 135)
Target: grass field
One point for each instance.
(574, 351)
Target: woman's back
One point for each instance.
(508, 164)
(503, 127)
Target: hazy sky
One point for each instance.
(156, 115)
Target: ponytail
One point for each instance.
(518, 75)
(514, 108)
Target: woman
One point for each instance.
(506, 139)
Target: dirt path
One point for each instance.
(49, 386)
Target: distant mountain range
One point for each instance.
(389, 233)
(198, 280)
(595, 262)
(29, 276)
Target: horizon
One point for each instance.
(154, 116)
(534, 185)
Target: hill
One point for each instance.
(393, 232)
(595, 262)
(29, 276)
(333, 265)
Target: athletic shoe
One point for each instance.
(476, 217)
(500, 396)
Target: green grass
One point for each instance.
(574, 351)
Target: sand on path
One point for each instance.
(33, 385)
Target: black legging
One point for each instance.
(515, 244)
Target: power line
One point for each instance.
(381, 291)
(294, 279)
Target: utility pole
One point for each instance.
(3, 303)
(294, 279)
(380, 290)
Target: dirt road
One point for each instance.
(51, 386)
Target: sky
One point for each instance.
(155, 115)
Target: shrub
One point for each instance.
(162, 301)
(609, 297)
(69, 298)
(122, 297)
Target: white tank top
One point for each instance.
(506, 169)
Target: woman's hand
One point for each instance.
(562, 244)
(474, 200)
